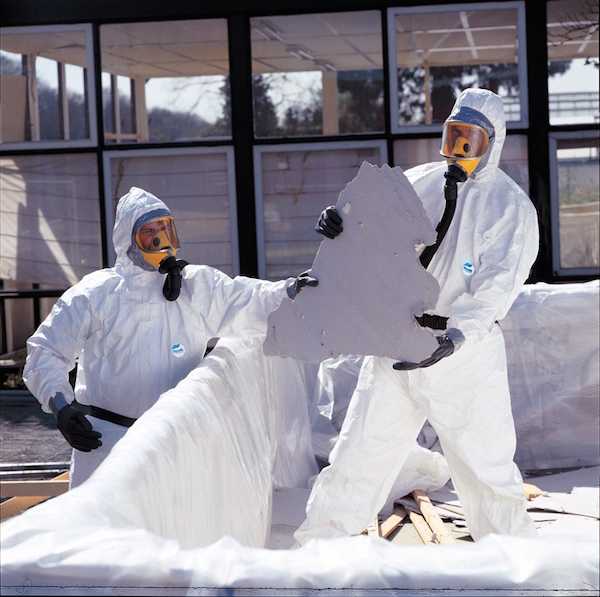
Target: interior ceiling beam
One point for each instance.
(464, 19)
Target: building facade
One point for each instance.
(248, 120)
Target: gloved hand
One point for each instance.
(304, 279)
(449, 343)
(76, 429)
(330, 222)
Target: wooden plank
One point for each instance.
(16, 505)
(50, 488)
(532, 491)
(406, 534)
(440, 532)
(393, 521)
(421, 527)
(373, 530)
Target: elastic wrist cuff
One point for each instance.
(57, 403)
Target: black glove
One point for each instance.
(330, 222)
(76, 429)
(304, 279)
(449, 343)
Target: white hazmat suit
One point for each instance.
(131, 343)
(481, 266)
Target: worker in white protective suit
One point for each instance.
(136, 329)
(482, 263)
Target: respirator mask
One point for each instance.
(154, 247)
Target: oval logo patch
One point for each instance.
(468, 268)
(177, 350)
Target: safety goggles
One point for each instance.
(464, 141)
(157, 235)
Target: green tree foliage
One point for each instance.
(265, 115)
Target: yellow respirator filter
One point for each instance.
(157, 239)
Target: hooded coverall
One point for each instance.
(132, 344)
(481, 267)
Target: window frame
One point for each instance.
(108, 145)
(92, 141)
(392, 13)
(553, 139)
(228, 151)
(380, 144)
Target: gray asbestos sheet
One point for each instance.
(371, 283)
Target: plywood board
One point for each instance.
(371, 284)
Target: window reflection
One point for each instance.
(296, 186)
(50, 232)
(579, 202)
(196, 188)
(43, 86)
(573, 66)
(513, 161)
(440, 53)
(77, 102)
(317, 74)
(165, 82)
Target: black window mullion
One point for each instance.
(242, 123)
(37, 308)
(387, 99)
(538, 150)
(100, 136)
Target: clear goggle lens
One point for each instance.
(462, 140)
(157, 235)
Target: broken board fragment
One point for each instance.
(371, 284)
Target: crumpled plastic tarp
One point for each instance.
(198, 466)
(202, 463)
(552, 335)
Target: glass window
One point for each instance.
(45, 85)
(49, 231)
(413, 152)
(76, 86)
(165, 81)
(197, 187)
(573, 79)
(439, 51)
(50, 219)
(295, 184)
(17, 323)
(18, 326)
(49, 239)
(576, 194)
(317, 74)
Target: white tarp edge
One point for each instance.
(198, 466)
(552, 335)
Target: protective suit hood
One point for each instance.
(130, 208)
(490, 105)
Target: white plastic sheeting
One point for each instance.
(552, 335)
(200, 465)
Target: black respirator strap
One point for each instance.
(173, 268)
(453, 176)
